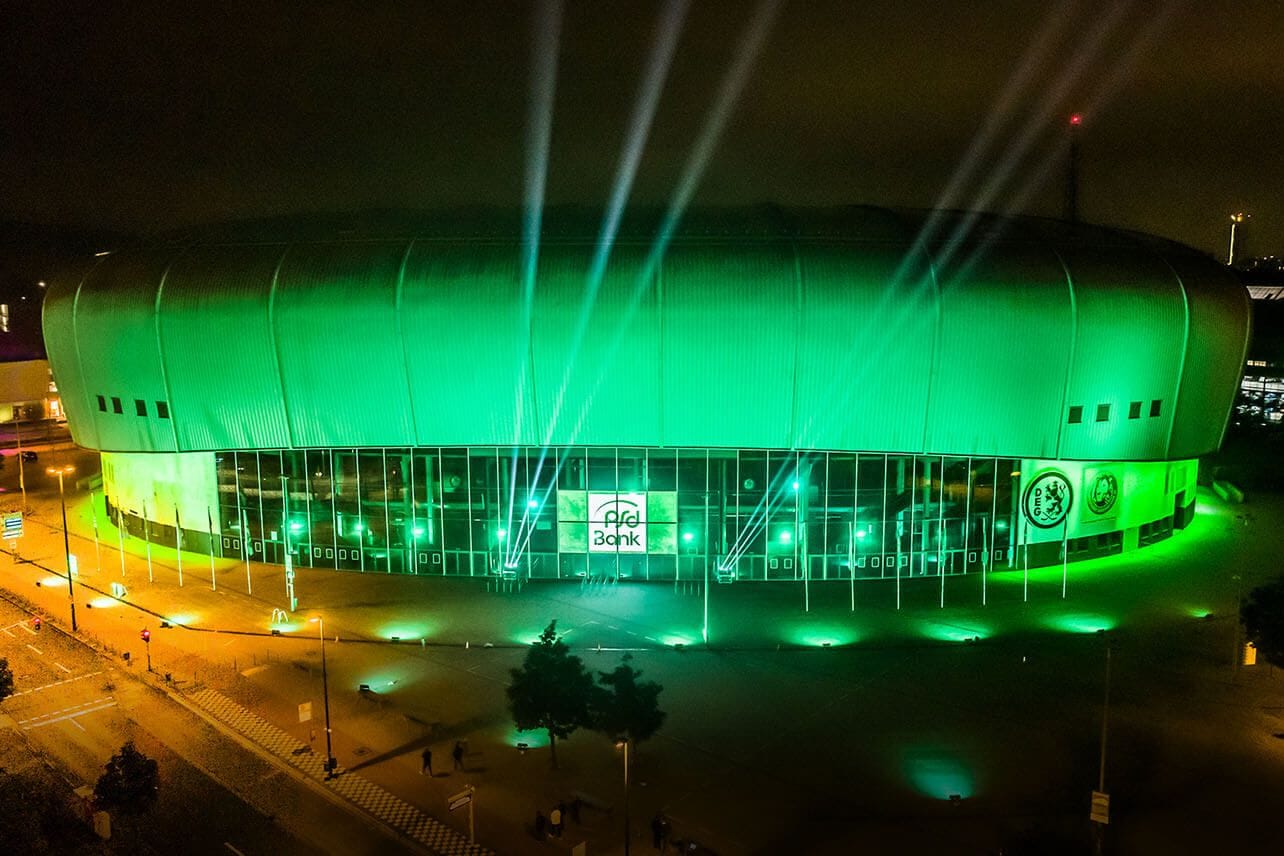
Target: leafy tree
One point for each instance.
(551, 690)
(130, 783)
(1263, 617)
(626, 706)
(6, 679)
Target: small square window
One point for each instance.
(115, 405)
(1155, 406)
(102, 404)
(1076, 415)
(1103, 412)
(140, 407)
(162, 410)
(1134, 410)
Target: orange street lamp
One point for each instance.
(60, 472)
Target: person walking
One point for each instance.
(541, 825)
(555, 821)
(657, 832)
(426, 767)
(458, 755)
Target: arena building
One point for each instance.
(762, 395)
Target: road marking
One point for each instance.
(233, 849)
(77, 724)
(71, 716)
(5, 631)
(254, 670)
(57, 683)
(61, 666)
(24, 626)
(37, 650)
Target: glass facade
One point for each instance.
(625, 513)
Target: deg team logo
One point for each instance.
(1047, 499)
(1103, 493)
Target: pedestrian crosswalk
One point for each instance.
(371, 798)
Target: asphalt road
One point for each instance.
(77, 709)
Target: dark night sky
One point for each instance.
(151, 115)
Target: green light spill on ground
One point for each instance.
(821, 635)
(1079, 623)
(404, 631)
(946, 632)
(533, 739)
(938, 775)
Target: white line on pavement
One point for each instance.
(5, 631)
(57, 683)
(77, 724)
(61, 666)
(64, 709)
(233, 849)
(24, 626)
(37, 650)
(68, 716)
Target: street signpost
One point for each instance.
(305, 711)
(12, 525)
(458, 801)
(1100, 811)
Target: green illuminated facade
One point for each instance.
(781, 396)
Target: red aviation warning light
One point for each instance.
(1076, 119)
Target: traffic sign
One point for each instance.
(305, 711)
(459, 800)
(13, 524)
(1100, 812)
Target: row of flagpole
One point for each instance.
(147, 540)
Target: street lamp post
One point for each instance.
(66, 544)
(1099, 832)
(624, 742)
(330, 763)
(1236, 218)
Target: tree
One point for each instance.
(1263, 617)
(6, 679)
(130, 783)
(626, 706)
(551, 690)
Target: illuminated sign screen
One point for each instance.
(630, 522)
(617, 522)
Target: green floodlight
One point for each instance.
(786, 536)
(359, 528)
(860, 534)
(295, 526)
(795, 485)
(688, 537)
(418, 532)
(531, 503)
(502, 534)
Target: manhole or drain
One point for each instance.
(361, 751)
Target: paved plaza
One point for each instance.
(810, 727)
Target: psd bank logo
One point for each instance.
(617, 522)
(1047, 499)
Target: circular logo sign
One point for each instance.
(1047, 499)
(1103, 493)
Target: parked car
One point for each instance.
(30, 456)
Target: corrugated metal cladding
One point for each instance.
(855, 329)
